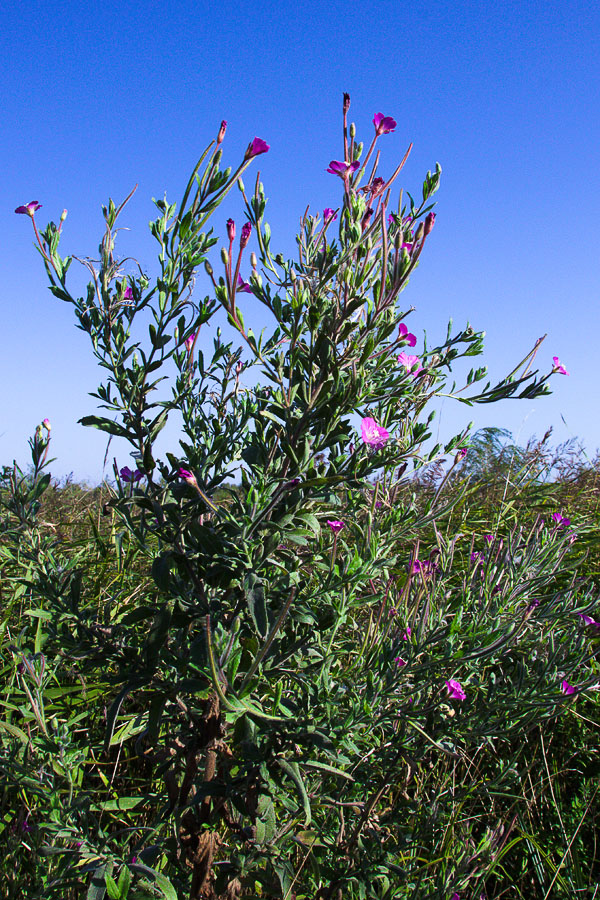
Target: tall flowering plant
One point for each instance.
(276, 712)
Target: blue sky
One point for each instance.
(98, 97)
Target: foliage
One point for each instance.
(324, 681)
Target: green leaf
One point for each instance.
(111, 887)
(291, 769)
(255, 598)
(124, 882)
(106, 425)
(97, 888)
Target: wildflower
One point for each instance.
(460, 454)
(455, 690)
(186, 475)
(489, 538)
(587, 620)
(29, 209)
(189, 342)
(567, 688)
(557, 365)
(128, 294)
(47, 425)
(405, 636)
(429, 223)
(477, 557)
(400, 661)
(335, 525)
(231, 230)
(373, 434)
(455, 896)
(366, 219)
(130, 476)
(409, 361)
(383, 124)
(560, 519)
(376, 187)
(257, 147)
(329, 215)
(343, 169)
(416, 567)
(405, 335)
(243, 285)
(245, 235)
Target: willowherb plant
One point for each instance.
(298, 665)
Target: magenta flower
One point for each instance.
(477, 557)
(399, 660)
(455, 690)
(587, 620)
(46, 424)
(185, 474)
(343, 169)
(335, 525)
(405, 636)
(129, 476)
(245, 235)
(189, 342)
(373, 434)
(409, 361)
(329, 215)
(231, 230)
(489, 538)
(416, 567)
(29, 209)
(560, 519)
(455, 896)
(243, 285)
(128, 295)
(557, 365)
(222, 130)
(405, 335)
(383, 124)
(376, 187)
(257, 147)
(461, 453)
(567, 688)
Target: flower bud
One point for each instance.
(420, 232)
(208, 269)
(231, 230)
(240, 185)
(217, 158)
(429, 223)
(224, 256)
(358, 151)
(346, 106)
(47, 425)
(253, 260)
(221, 133)
(245, 235)
(352, 130)
(63, 215)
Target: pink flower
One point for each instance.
(399, 660)
(567, 688)
(189, 342)
(416, 567)
(29, 209)
(477, 557)
(257, 147)
(373, 434)
(376, 187)
(231, 230)
(405, 335)
(409, 362)
(557, 365)
(455, 896)
(243, 285)
(460, 454)
(343, 169)
(128, 294)
(455, 690)
(46, 424)
(383, 124)
(335, 525)
(489, 538)
(560, 519)
(187, 476)
(587, 620)
(329, 215)
(405, 636)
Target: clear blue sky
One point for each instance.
(97, 97)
